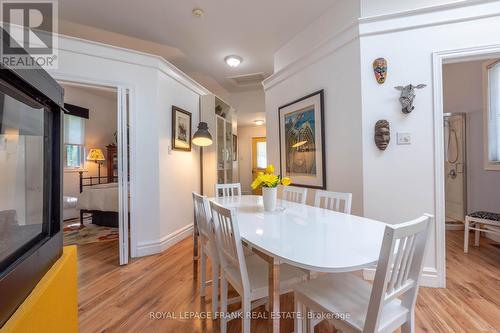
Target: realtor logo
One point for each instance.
(29, 34)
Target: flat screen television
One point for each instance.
(30, 182)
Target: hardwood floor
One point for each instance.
(121, 299)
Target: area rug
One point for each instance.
(75, 234)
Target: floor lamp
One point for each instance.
(201, 138)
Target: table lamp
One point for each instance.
(96, 155)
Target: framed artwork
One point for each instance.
(235, 148)
(302, 141)
(181, 129)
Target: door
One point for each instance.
(259, 159)
(455, 167)
(123, 173)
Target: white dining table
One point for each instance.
(304, 236)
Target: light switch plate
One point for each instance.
(404, 138)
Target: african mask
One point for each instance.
(382, 134)
(407, 96)
(380, 70)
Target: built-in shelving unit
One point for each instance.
(218, 160)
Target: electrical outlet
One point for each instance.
(404, 138)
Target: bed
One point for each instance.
(98, 199)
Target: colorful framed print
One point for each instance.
(181, 129)
(302, 141)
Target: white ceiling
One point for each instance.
(253, 29)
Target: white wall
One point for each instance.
(396, 185)
(179, 172)
(463, 92)
(399, 183)
(342, 15)
(249, 106)
(157, 181)
(381, 7)
(338, 74)
(99, 130)
(245, 157)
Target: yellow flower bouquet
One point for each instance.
(269, 182)
(269, 179)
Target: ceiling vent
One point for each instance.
(247, 80)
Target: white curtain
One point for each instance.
(494, 113)
(74, 130)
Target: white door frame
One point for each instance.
(438, 59)
(124, 190)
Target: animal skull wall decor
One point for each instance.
(407, 96)
(382, 134)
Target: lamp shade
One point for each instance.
(95, 154)
(202, 136)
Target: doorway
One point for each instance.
(96, 177)
(459, 86)
(259, 159)
(455, 165)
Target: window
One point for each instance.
(74, 142)
(261, 155)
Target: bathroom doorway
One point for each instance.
(455, 169)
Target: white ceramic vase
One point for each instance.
(269, 195)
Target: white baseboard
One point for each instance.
(429, 277)
(162, 244)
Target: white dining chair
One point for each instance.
(248, 275)
(383, 307)
(227, 190)
(295, 194)
(207, 247)
(337, 201)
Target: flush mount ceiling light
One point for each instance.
(259, 122)
(198, 12)
(233, 60)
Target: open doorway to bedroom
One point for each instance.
(92, 204)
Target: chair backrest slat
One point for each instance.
(228, 240)
(337, 201)
(295, 194)
(202, 215)
(399, 268)
(227, 190)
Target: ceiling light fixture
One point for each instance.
(233, 60)
(259, 122)
(198, 12)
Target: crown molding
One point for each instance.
(429, 16)
(345, 36)
(105, 51)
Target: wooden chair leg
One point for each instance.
(215, 287)
(195, 253)
(203, 269)
(466, 235)
(478, 234)
(247, 312)
(298, 321)
(223, 304)
(409, 325)
(81, 218)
